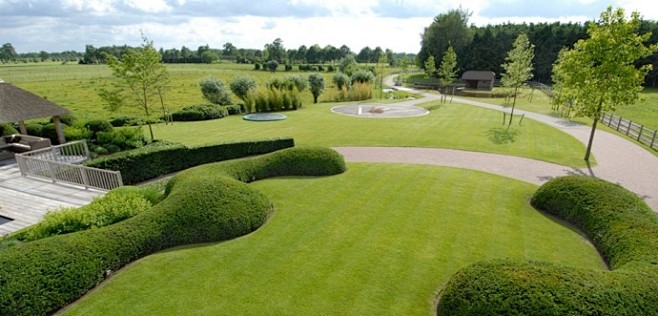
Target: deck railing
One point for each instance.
(61, 164)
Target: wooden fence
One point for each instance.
(631, 129)
(61, 164)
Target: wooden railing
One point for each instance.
(61, 164)
(631, 129)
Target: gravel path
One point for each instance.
(619, 160)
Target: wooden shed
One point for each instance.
(479, 80)
(18, 105)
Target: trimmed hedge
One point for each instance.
(623, 228)
(203, 204)
(160, 158)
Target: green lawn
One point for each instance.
(379, 239)
(447, 126)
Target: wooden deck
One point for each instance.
(26, 200)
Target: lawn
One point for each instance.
(378, 239)
(447, 126)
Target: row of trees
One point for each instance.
(486, 47)
(8, 55)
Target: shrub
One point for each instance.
(272, 65)
(34, 129)
(316, 85)
(96, 126)
(50, 131)
(203, 204)
(115, 206)
(235, 109)
(200, 112)
(67, 119)
(242, 86)
(7, 129)
(124, 138)
(331, 68)
(288, 67)
(256, 66)
(76, 133)
(215, 91)
(126, 121)
(164, 157)
(623, 228)
(362, 76)
(341, 80)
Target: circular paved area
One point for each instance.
(380, 110)
(619, 160)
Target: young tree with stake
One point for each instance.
(518, 68)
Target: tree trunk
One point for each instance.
(516, 89)
(591, 135)
(315, 98)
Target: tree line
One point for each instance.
(486, 47)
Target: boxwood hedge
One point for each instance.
(204, 204)
(160, 158)
(623, 228)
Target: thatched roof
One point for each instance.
(18, 105)
(478, 75)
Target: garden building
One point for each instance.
(479, 80)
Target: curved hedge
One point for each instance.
(623, 228)
(204, 204)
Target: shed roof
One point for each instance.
(17, 105)
(479, 75)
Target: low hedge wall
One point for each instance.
(622, 227)
(162, 158)
(203, 204)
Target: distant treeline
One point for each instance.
(485, 47)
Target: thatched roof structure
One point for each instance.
(18, 105)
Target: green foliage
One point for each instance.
(272, 65)
(623, 228)
(34, 129)
(68, 119)
(164, 158)
(126, 121)
(200, 112)
(215, 91)
(447, 71)
(125, 138)
(362, 76)
(257, 66)
(357, 92)
(341, 80)
(347, 65)
(316, 84)
(518, 67)
(204, 204)
(50, 131)
(242, 86)
(430, 67)
(139, 79)
(115, 206)
(599, 73)
(274, 99)
(75, 133)
(8, 129)
(96, 126)
(447, 29)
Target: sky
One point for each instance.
(60, 25)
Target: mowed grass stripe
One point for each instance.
(379, 239)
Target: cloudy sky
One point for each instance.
(58, 25)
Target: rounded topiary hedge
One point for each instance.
(623, 228)
(204, 204)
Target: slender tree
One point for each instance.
(140, 76)
(316, 84)
(600, 73)
(430, 66)
(447, 71)
(518, 67)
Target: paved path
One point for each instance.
(619, 159)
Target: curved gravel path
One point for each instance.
(619, 160)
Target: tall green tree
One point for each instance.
(316, 84)
(140, 77)
(7, 53)
(518, 67)
(447, 29)
(447, 71)
(599, 73)
(430, 66)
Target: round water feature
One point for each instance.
(264, 117)
(380, 110)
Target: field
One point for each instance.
(379, 239)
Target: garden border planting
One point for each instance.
(204, 204)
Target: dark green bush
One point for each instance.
(203, 204)
(257, 66)
(34, 129)
(235, 109)
(50, 131)
(623, 228)
(125, 138)
(96, 126)
(160, 158)
(8, 129)
(200, 112)
(126, 121)
(67, 119)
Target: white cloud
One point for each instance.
(94, 6)
(149, 6)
